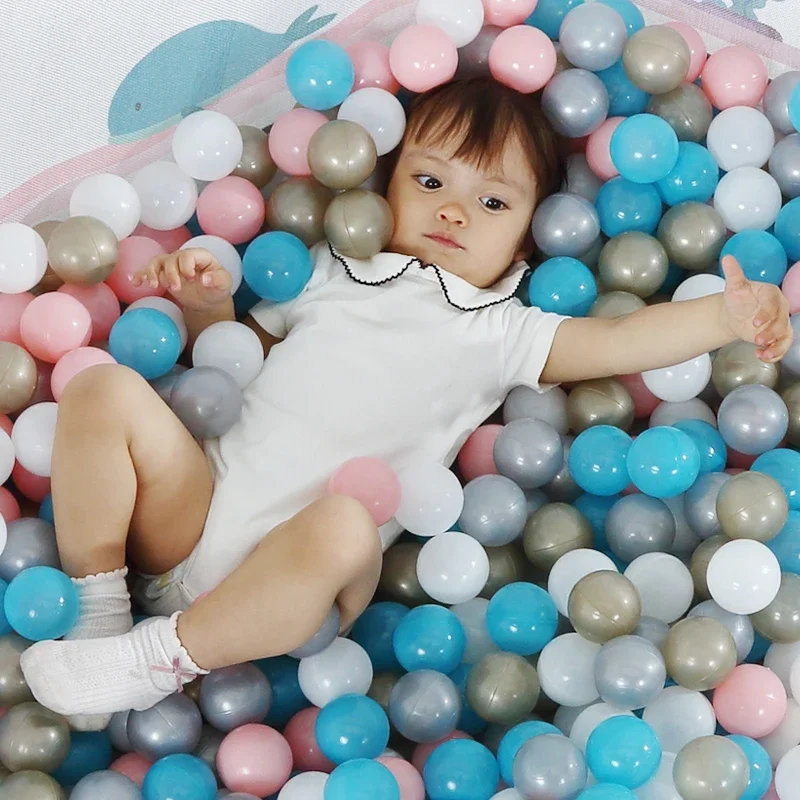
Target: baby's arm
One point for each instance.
(669, 333)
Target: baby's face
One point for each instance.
(470, 222)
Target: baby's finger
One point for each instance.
(734, 275)
(187, 264)
(776, 350)
(172, 274)
(149, 274)
(773, 330)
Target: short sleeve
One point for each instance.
(275, 318)
(528, 337)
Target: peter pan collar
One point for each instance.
(460, 294)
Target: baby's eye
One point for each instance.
(428, 181)
(493, 204)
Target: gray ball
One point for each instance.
(687, 110)
(638, 524)
(576, 103)
(13, 686)
(565, 224)
(549, 766)
(425, 706)
(31, 785)
(31, 543)
(529, 452)
(784, 165)
(495, 510)
(580, 178)
(700, 503)
(33, 737)
(327, 632)
(207, 400)
(753, 419)
(165, 383)
(117, 731)
(234, 696)
(173, 725)
(652, 629)
(106, 785)
(693, 235)
(593, 36)
(550, 406)
(776, 101)
(629, 672)
(208, 747)
(739, 625)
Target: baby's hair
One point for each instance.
(478, 115)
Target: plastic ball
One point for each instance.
(298, 206)
(739, 626)
(644, 148)
(207, 145)
(604, 605)
(650, 574)
(760, 767)
(740, 137)
(753, 419)
(752, 506)
(566, 670)
(424, 706)
(639, 524)
(657, 59)
(528, 452)
(380, 113)
(179, 777)
(678, 715)
(623, 750)
(167, 194)
(629, 672)
(352, 726)
(743, 576)
(207, 400)
(783, 465)
(711, 766)
(109, 198)
(342, 668)
(521, 618)
(462, 766)
(231, 347)
(693, 178)
(576, 102)
(83, 250)
(374, 630)
(147, 341)
(748, 198)
(358, 223)
(563, 285)
(462, 23)
(342, 154)
(429, 637)
(687, 111)
(598, 460)
(32, 438)
(761, 255)
(33, 738)
(422, 57)
(361, 779)
(320, 74)
(734, 76)
(784, 165)
(105, 783)
(593, 36)
(663, 462)
(277, 266)
(565, 225)
(23, 258)
(41, 603)
(626, 206)
(551, 765)
(522, 58)
(624, 97)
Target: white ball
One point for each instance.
(380, 113)
(172, 310)
(461, 21)
(780, 658)
(740, 137)
(305, 786)
(679, 715)
(224, 252)
(569, 569)
(431, 498)
(787, 775)
(670, 413)
(231, 347)
(589, 719)
(565, 716)
(794, 679)
(341, 668)
(507, 794)
(679, 382)
(3, 534)
(452, 567)
(7, 456)
(747, 198)
(207, 145)
(23, 258)
(168, 196)
(566, 670)
(785, 736)
(33, 435)
(699, 286)
(662, 785)
(664, 584)
(743, 576)
(109, 198)
(472, 616)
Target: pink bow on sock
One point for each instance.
(175, 670)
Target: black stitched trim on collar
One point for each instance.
(350, 274)
(491, 303)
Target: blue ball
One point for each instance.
(787, 228)
(145, 340)
(89, 752)
(644, 148)
(675, 277)
(694, 177)
(563, 285)
(179, 777)
(783, 465)
(598, 460)
(760, 254)
(595, 508)
(460, 769)
(625, 98)
(623, 750)
(46, 510)
(760, 767)
(709, 443)
(429, 637)
(469, 721)
(522, 618)
(786, 545)
(5, 627)
(631, 16)
(41, 603)
(352, 726)
(606, 791)
(361, 779)
(663, 462)
(287, 696)
(549, 14)
(511, 743)
(277, 266)
(374, 630)
(758, 650)
(794, 108)
(626, 206)
(320, 74)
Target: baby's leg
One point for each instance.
(273, 603)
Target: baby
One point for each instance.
(237, 548)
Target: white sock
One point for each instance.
(103, 676)
(105, 606)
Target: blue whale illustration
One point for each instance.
(196, 66)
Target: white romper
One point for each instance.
(382, 357)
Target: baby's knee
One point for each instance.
(346, 532)
(103, 386)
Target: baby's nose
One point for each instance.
(453, 213)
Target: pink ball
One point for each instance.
(523, 58)
(9, 507)
(255, 759)
(11, 308)
(505, 13)
(751, 701)
(408, 779)
(232, 208)
(644, 401)
(422, 57)
(734, 76)
(371, 65)
(289, 139)
(598, 149)
(6, 424)
(476, 457)
(135, 254)
(299, 733)
(423, 751)
(70, 364)
(697, 47)
(53, 324)
(372, 482)
(32, 486)
(132, 766)
(102, 305)
(771, 793)
(791, 288)
(170, 240)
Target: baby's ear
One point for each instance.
(526, 249)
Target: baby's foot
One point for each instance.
(103, 676)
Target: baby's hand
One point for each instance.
(756, 312)
(193, 277)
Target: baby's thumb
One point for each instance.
(734, 275)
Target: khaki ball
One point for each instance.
(604, 605)
(780, 620)
(359, 223)
(555, 529)
(686, 109)
(298, 206)
(699, 563)
(83, 250)
(699, 653)
(752, 505)
(791, 396)
(30, 785)
(33, 737)
(693, 234)
(256, 164)
(610, 305)
(633, 262)
(13, 686)
(656, 59)
(18, 377)
(737, 364)
(507, 564)
(50, 281)
(503, 688)
(602, 401)
(398, 579)
(342, 154)
(380, 689)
